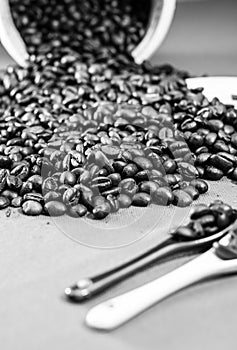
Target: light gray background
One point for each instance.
(37, 261)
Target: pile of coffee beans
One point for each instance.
(84, 130)
(206, 220)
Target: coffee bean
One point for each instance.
(213, 173)
(200, 185)
(170, 166)
(55, 208)
(16, 202)
(33, 196)
(129, 170)
(124, 200)
(148, 187)
(51, 196)
(128, 186)
(115, 178)
(199, 210)
(192, 191)
(71, 196)
(163, 196)
(221, 161)
(14, 182)
(77, 211)
(9, 194)
(4, 202)
(141, 199)
(101, 211)
(207, 220)
(188, 171)
(68, 178)
(32, 208)
(143, 163)
(113, 202)
(183, 233)
(182, 198)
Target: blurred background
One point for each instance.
(202, 38)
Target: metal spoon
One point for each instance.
(221, 259)
(85, 288)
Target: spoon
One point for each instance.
(87, 287)
(220, 260)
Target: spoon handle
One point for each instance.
(116, 311)
(87, 287)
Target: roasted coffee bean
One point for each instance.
(32, 208)
(188, 171)
(233, 175)
(3, 179)
(233, 140)
(4, 202)
(200, 185)
(210, 230)
(113, 202)
(71, 196)
(215, 124)
(223, 220)
(113, 191)
(142, 176)
(199, 210)
(119, 166)
(49, 184)
(77, 211)
(197, 229)
(163, 196)
(207, 220)
(102, 183)
(16, 202)
(86, 197)
(221, 161)
(192, 191)
(33, 196)
(129, 170)
(202, 159)
(220, 146)
(98, 200)
(14, 182)
(182, 198)
(195, 140)
(143, 163)
(101, 211)
(170, 166)
(115, 178)
(124, 200)
(51, 196)
(213, 173)
(36, 181)
(55, 208)
(128, 186)
(86, 176)
(210, 139)
(110, 151)
(9, 194)
(21, 171)
(148, 187)
(141, 199)
(5, 162)
(68, 178)
(183, 233)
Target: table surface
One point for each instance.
(38, 260)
